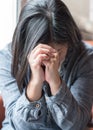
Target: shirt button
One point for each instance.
(37, 105)
(46, 98)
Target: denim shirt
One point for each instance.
(69, 109)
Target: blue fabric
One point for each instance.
(69, 109)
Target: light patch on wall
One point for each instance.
(7, 21)
(91, 10)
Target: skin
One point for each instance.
(50, 56)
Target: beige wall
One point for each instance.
(80, 11)
(79, 7)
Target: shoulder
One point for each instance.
(85, 59)
(5, 59)
(86, 52)
(5, 53)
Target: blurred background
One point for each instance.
(8, 14)
(82, 11)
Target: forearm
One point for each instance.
(26, 115)
(66, 111)
(34, 91)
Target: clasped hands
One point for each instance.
(44, 63)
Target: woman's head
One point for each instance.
(41, 21)
(47, 20)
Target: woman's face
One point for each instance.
(61, 49)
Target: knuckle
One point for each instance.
(38, 50)
(40, 57)
(40, 45)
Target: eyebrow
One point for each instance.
(59, 50)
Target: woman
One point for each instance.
(46, 74)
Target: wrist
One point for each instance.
(55, 86)
(33, 91)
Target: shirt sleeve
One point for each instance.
(71, 108)
(21, 113)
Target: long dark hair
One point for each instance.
(40, 21)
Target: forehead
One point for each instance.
(57, 45)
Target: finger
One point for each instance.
(38, 51)
(40, 58)
(42, 51)
(55, 56)
(46, 63)
(45, 47)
